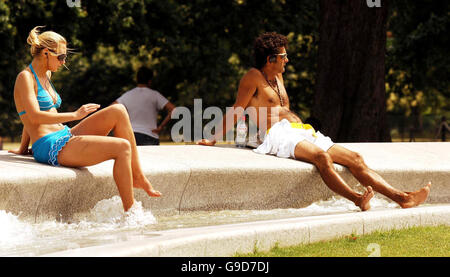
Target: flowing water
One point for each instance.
(107, 223)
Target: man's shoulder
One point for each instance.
(155, 93)
(127, 95)
(253, 72)
(130, 91)
(140, 91)
(253, 75)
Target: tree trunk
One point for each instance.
(350, 97)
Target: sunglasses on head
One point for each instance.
(60, 57)
(283, 56)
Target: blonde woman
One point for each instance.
(86, 143)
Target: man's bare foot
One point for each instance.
(417, 197)
(144, 184)
(364, 203)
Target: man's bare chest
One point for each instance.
(269, 96)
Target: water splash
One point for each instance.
(340, 204)
(107, 223)
(110, 211)
(12, 230)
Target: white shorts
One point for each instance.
(282, 139)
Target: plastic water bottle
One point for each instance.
(241, 132)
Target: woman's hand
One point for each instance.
(86, 109)
(26, 151)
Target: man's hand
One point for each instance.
(157, 130)
(206, 142)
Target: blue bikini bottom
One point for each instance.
(46, 149)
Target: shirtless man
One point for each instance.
(263, 87)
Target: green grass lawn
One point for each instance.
(412, 242)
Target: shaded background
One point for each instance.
(201, 49)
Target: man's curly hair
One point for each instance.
(267, 44)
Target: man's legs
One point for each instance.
(367, 177)
(306, 151)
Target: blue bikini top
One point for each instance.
(43, 96)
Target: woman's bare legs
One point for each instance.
(367, 177)
(309, 152)
(115, 118)
(89, 150)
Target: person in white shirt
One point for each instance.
(143, 105)
(442, 129)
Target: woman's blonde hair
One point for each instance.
(48, 39)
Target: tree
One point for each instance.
(350, 97)
(417, 65)
(198, 48)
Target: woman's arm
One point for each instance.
(25, 98)
(42, 117)
(25, 142)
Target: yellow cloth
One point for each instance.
(284, 137)
(297, 125)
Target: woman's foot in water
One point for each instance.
(143, 183)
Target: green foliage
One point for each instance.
(417, 63)
(201, 48)
(198, 49)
